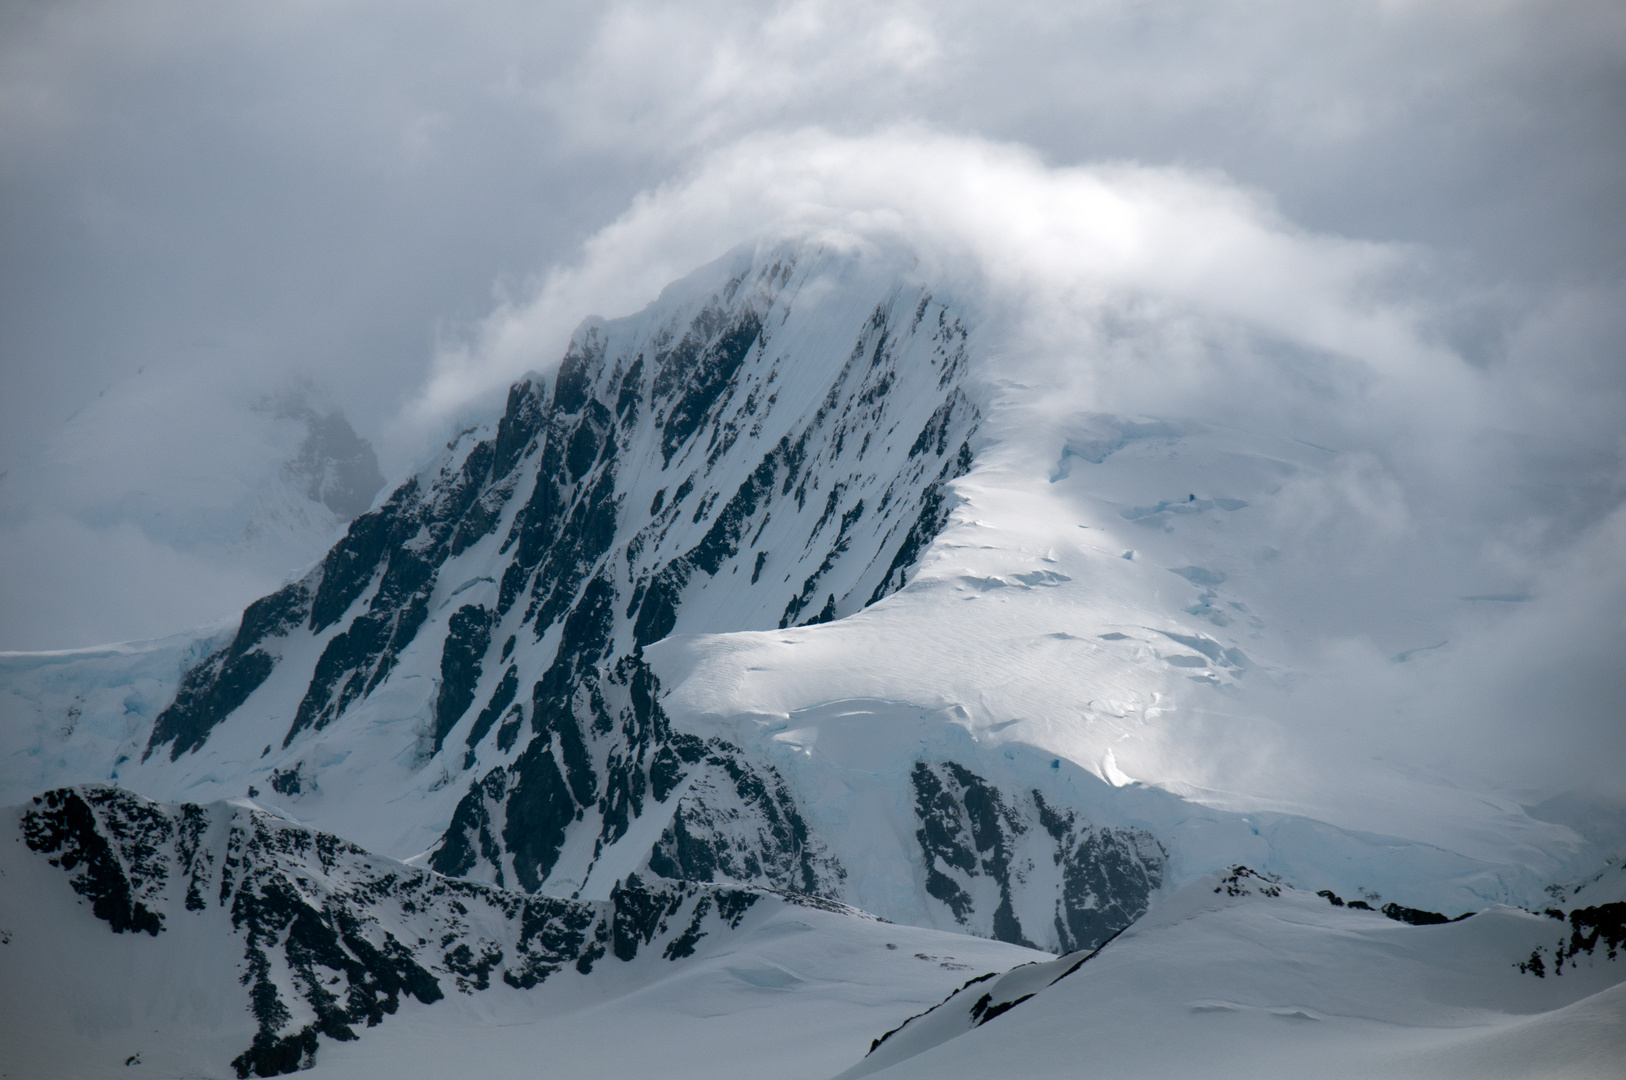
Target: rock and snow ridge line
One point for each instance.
(330, 938)
(710, 384)
(308, 937)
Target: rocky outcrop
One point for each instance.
(973, 834)
(332, 937)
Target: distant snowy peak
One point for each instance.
(197, 464)
(333, 465)
(330, 479)
(172, 500)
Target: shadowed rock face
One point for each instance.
(971, 830)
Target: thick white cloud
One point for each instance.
(1056, 243)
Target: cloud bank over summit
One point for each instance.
(1166, 293)
(1056, 249)
(331, 187)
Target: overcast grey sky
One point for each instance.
(344, 191)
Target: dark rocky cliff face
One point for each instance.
(334, 933)
(970, 830)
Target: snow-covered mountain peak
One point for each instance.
(802, 477)
(812, 578)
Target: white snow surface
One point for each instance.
(794, 994)
(1256, 984)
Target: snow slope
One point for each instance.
(1238, 976)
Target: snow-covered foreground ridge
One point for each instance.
(221, 939)
(332, 938)
(1239, 975)
(138, 938)
(780, 585)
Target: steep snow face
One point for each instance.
(783, 582)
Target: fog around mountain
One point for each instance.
(680, 534)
